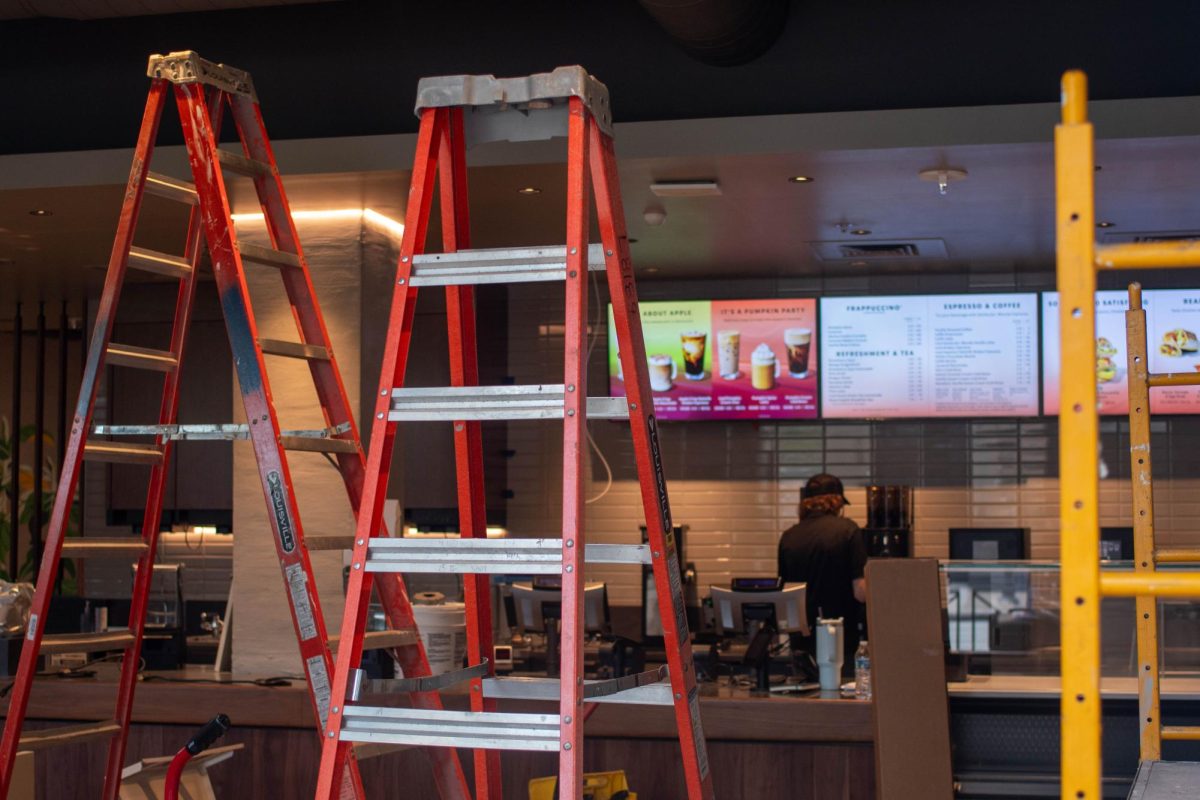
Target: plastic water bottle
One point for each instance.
(862, 671)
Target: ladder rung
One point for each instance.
(171, 188)
(500, 265)
(69, 734)
(1181, 733)
(438, 728)
(315, 543)
(159, 263)
(265, 255)
(380, 640)
(318, 444)
(1177, 555)
(1174, 379)
(205, 432)
(103, 547)
(1150, 584)
(235, 162)
(1149, 255)
(657, 693)
(122, 453)
(453, 403)
(489, 556)
(278, 347)
(128, 355)
(85, 642)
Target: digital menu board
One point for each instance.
(972, 355)
(727, 359)
(1172, 324)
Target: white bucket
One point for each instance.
(443, 630)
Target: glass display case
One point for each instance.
(1003, 618)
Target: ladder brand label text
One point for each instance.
(283, 522)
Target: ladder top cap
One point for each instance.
(186, 66)
(540, 90)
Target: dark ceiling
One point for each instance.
(351, 68)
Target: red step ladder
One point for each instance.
(202, 90)
(453, 111)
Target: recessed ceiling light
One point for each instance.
(800, 179)
(41, 212)
(860, 232)
(529, 190)
(858, 263)
(651, 269)
(1105, 224)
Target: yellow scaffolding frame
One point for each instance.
(1082, 583)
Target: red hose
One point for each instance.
(175, 774)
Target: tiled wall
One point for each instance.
(736, 484)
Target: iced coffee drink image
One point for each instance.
(693, 343)
(728, 351)
(764, 369)
(798, 341)
(662, 372)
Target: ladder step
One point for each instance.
(1181, 733)
(171, 188)
(85, 642)
(278, 347)
(265, 255)
(69, 734)
(437, 728)
(452, 403)
(159, 263)
(207, 431)
(380, 640)
(122, 453)
(489, 556)
(103, 547)
(318, 444)
(314, 543)
(235, 162)
(653, 692)
(128, 355)
(499, 265)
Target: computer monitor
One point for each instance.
(535, 601)
(750, 600)
(989, 544)
(1116, 543)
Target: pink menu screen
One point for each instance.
(727, 359)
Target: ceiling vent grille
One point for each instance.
(880, 251)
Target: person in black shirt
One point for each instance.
(826, 551)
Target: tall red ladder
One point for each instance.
(454, 111)
(202, 90)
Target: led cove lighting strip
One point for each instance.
(369, 216)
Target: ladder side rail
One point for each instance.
(571, 711)
(151, 517)
(283, 513)
(660, 531)
(1078, 439)
(468, 434)
(335, 752)
(1149, 668)
(80, 426)
(302, 296)
(335, 406)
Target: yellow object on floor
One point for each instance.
(596, 786)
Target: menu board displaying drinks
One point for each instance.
(727, 359)
(971, 355)
(1172, 323)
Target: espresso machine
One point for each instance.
(888, 533)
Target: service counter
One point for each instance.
(763, 748)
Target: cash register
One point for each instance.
(760, 609)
